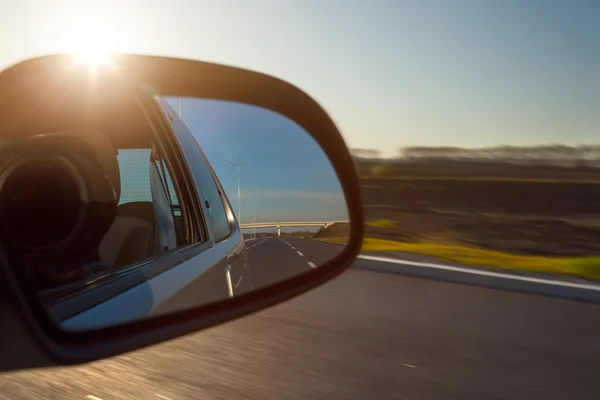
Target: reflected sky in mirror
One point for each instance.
(294, 178)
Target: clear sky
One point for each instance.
(390, 72)
(294, 178)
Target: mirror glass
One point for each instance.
(213, 199)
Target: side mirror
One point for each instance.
(152, 197)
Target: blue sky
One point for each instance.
(390, 72)
(294, 178)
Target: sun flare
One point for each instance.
(92, 58)
(91, 45)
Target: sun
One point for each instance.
(91, 45)
(92, 58)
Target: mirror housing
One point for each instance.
(29, 338)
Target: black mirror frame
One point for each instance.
(27, 327)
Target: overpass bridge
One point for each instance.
(279, 225)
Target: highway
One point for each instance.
(364, 335)
(272, 260)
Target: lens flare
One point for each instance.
(92, 59)
(91, 44)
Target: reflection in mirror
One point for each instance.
(105, 228)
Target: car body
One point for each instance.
(210, 271)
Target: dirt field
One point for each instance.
(515, 209)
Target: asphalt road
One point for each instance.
(364, 335)
(273, 260)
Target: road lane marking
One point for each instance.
(300, 254)
(312, 265)
(481, 272)
(92, 397)
(293, 248)
(410, 366)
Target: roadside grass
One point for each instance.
(584, 267)
(482, 179)
(382, 223)
(337, 240)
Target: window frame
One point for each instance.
(194, 225)
(164, 173)
(191, 150)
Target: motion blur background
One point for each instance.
(474, 128)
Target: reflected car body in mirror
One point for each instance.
(134, 230)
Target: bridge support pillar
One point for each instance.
(278, 230)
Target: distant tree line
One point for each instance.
(546, 154)
(554, 154)
(365, 153)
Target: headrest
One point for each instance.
(106, 153)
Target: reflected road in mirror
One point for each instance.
(283, 190)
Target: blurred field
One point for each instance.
(527, 217)
(517, 209)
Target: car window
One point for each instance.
(225, 225)
(215, 209)
(214, 205)
(217, 212)
(147, 203)
(135, 176)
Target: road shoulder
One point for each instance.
(431, 268)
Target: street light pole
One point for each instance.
(239, 187)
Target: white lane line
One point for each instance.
(247, 248)
(300, 254)
(293, 248)
(92, 397)
(163, 397)
(480, 272)
(312, 265)
(239, 281)
(410, 366)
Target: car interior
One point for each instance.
(148, 219)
